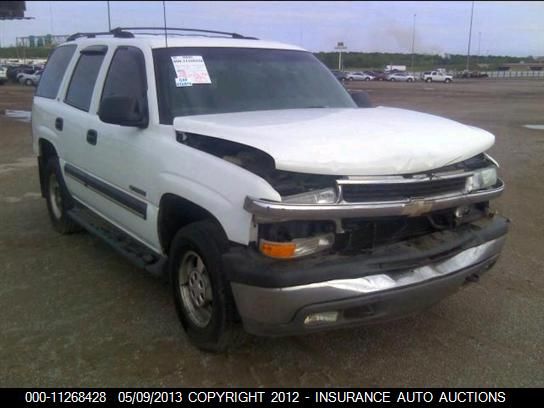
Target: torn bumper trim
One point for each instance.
(269, 211)
(368, 299)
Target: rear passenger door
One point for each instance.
(46, 107)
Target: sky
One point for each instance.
(507, 28)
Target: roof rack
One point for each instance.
(193, 30)
(116, 32)
(125, 32)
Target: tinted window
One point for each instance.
(246, 79)
(54, 71)
(81, 86)
(126, 75)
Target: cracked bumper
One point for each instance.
(373, 292)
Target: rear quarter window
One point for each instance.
(54, 71)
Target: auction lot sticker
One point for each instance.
(190, 70)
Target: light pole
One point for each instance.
(479, 43)
(413, 42)
(470, 35)
(340, 46)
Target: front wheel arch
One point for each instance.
(175, 213)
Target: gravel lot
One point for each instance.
(74, 313)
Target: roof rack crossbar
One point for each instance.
(124, 32)
(115, 32)
(196, 30)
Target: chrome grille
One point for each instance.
(402, 190)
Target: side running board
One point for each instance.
(134, 251)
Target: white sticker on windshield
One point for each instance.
(190, 70)
(180, 82)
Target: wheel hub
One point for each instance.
(198, 287)
(55, 196)
(195, 289)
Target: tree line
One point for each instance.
(353, 60)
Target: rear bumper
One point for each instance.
(374, 294)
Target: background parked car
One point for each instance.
(3, 75)
(340, 75)
(379, 75)
(30, 79)
(358, 76)
(25, 72)
(436, 76)
(14, 71)
(401, 76)
(473, 74)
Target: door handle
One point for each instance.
(92, 136)
(59, 123)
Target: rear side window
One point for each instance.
(83, 79)
(54, 71)
(126, 75)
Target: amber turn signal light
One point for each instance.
(278, 249)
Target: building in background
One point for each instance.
(34, 41)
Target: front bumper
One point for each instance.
(365, 288)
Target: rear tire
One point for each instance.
(428, 80)
(447, 81)
(202, 295)
(59, 201)
(29, 82)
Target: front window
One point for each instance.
(243, 79)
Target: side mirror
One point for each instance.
(361, 99)
(124, 111)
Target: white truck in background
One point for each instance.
(436, 76)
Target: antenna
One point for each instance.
(164, 19)
(109, 18)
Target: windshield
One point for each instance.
(222, 80)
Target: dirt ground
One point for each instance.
(74, 313)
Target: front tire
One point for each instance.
(202, 295)
(58, 199)
(29, 82)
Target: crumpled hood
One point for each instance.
(349, 141)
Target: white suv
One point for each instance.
(436, 76)
(246, 173)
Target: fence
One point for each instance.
(515, 74)
(498, 74)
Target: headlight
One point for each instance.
(483, 178)
(297, 247)
(324, 196)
